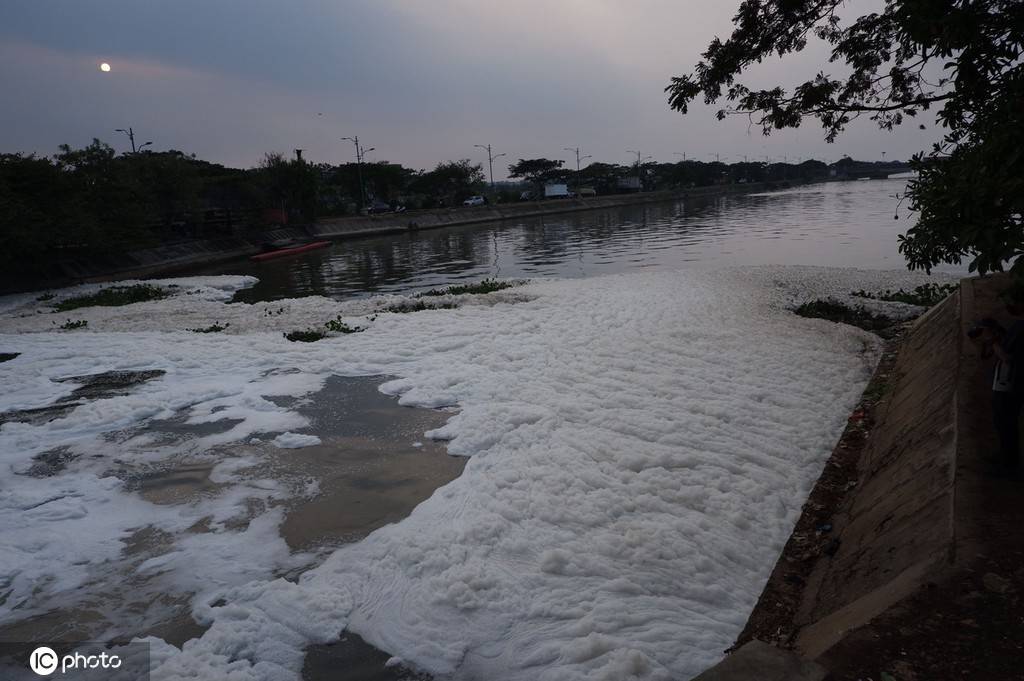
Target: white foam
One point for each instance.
(640, 446)
(295, 440)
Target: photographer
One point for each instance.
(1007, 345)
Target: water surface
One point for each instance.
(837, 224)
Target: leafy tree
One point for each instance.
(451, 181)
(108, 202)
(602, 176)
(291, 185)
(537, 171)
(170, 183)
(962, 56)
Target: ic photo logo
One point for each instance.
(45, 661)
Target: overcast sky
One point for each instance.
(419, 81)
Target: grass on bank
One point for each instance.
(113, 296)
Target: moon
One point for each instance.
(104, 67)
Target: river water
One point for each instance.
(836, 224)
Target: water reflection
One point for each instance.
(847, 224)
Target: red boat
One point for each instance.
(291, 250)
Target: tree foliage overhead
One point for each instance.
(963, 57)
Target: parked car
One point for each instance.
(474, 201)
(378, 207)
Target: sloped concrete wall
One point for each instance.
(897, 526)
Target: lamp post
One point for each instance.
(131, 138)
(360, 154)
(578, 159)
(639, 160)
(490, 161)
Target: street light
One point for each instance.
(638, 162)
(578, 159)
(490, 161)
(131, 138)
(360, 155)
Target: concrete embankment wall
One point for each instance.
(171, 258)
(901, 524)
(896, 528)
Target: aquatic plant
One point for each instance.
(212, 328)
(72, 325)
(305, 335)
(835, 311)
(481, 287)
(338, 326)
(46, 296)
(418, 306)
(113, 296)
(925, 295)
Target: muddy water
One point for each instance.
(372, 467)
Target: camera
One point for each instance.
(978, 327)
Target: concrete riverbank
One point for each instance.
(172, 258)
(915, 569)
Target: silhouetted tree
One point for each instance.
(537, 171)
(963, 56)
(451, 181)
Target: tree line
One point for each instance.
(93, 201)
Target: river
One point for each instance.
(834, 224)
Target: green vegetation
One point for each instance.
(305, 335)
(335, 325)
(113, 296)
(338, 326)
(897, 62)
(485, 286)
(835, 311)
(418, 306)
(45, 297)
(72, 325)
(876, 390)
(925, 295)
(212, 328)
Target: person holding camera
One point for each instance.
(1007, 346)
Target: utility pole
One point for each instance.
(638, 162)
(490, 161)
(683, 154)
(131, 138)
(578, 159)
(360, 154)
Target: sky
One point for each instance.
(419, 82)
